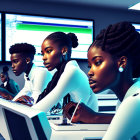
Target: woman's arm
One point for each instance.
(14, 86)
(69, 80)
(86, 115)
(4, 93)
(24, 91)
(126, 122)
(40, 81)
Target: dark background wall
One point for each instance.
(102, 16)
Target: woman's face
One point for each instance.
(3, 77)
(103, 73)
(52, 54)
(19, 64)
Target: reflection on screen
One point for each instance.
(34, 29)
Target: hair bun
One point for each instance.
(74, 39)
(5, 69)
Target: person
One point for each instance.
(126, 117)
(36, 78)
(8, 85)
(113, 61)
(69, 78)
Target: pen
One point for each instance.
(75, 110)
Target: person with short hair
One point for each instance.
(69, 78)
(36, 78)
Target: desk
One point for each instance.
(73, 133)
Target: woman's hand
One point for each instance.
(26, 100)
(5, 95)
(83, 113)
(69, 109)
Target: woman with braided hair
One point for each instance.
(114, 61)
(69, 78)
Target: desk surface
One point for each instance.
(76, 131)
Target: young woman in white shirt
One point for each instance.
(114, 61)
(69, 78)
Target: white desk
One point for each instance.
(73, 133)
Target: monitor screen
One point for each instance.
(34, 29)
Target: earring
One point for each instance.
(121, 69)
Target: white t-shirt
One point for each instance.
(73, 81)
(39, 78)
(126, 122)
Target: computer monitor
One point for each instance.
(34, 29)
(22, 122)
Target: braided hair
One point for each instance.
(26, 49)
(69, 40)
(121, 39)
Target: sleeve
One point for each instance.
(14, 86)
(24, 91)
(41, 79)
(127, 116)
(69, 80)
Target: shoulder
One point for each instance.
(37, 68)
(40, 70)
(132, 102)
(12, 82)
(40, 73)
(72, 65)
(72, 69)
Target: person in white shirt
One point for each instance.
(114, 62)
(69, 78)
(125, 124)
(36, 78)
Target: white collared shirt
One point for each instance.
(126, 122)
(135, 88)
(39, 78)
(5, 83)
(73, 81)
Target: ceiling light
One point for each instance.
(135, 7)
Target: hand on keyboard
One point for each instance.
(5, 95)
(26, 100)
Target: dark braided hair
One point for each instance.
(69, 40)
(26, 49)
(121, 39)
